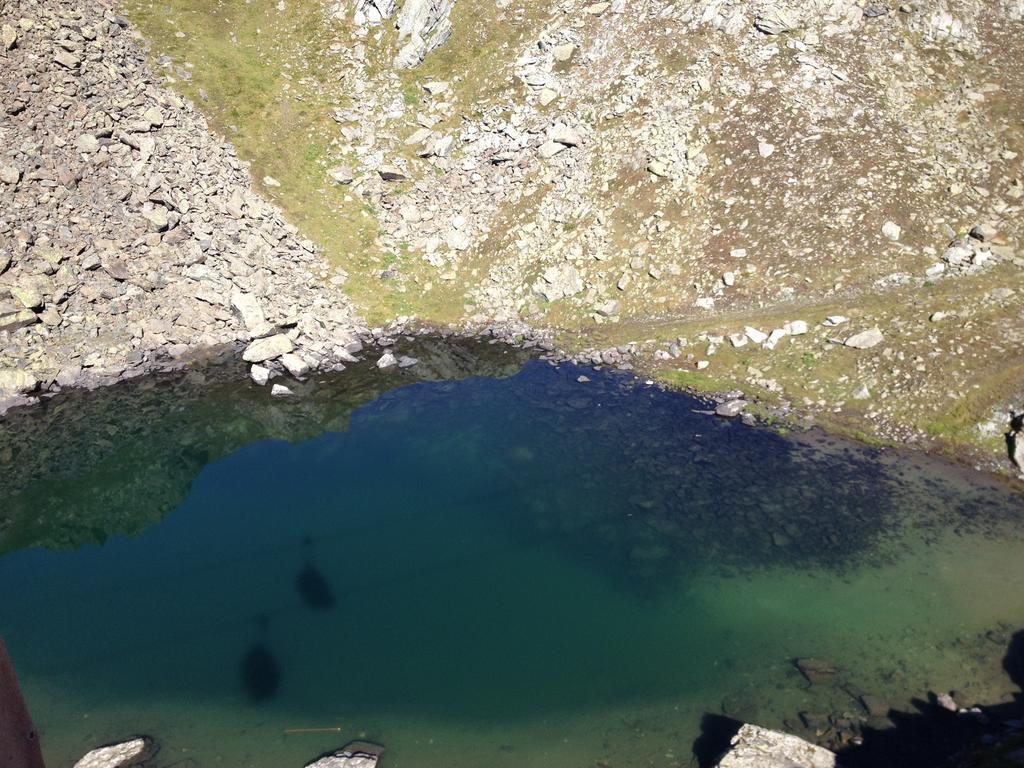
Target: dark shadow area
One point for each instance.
(311, 585)
(259, 670)
(933, 735)
(1015, 433)
(716, 732)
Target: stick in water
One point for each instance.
(333, 729)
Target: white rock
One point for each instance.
(249, 310)
(342, 174)
(260, 375)
(280, 390)
(269, 348)
(546, 96)
(738, 340)
(435, 87)
(9, 174)
(551, 148)
(387, 360)
(833, 320)
(16, 381)
(756, 747)
(861, 392)
(756, 336)
(796, 327)
(865, 339)
(358, 754)
(563, 134)
(122, 755)
(270, 181)
(764, 149)
(563, 52)
(729, 279)
(295, 365)
(892, 231)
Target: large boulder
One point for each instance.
(134, 752)
(425, 25)
(756, 747)
(269, 348)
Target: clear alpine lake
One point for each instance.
(479, 562)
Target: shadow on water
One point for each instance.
(259, 670)
(312, 585)
(929, 737)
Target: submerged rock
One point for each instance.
(128, 753)
(756, 747)
(817, 671)
(356, 754)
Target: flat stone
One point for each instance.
(391, 173)
(123, 755)
(865, 339)
(547, 96)
(875, 706)
(11, 318)
(563, 52)
(67, 59)
(87, 144)
(817, 671)
(269, 348)
(563, 134)
(342, 174)
(550, 148)
(280, 390)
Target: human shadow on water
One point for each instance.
(312, 585)
(716, 732)
(928, 737)
(259, 670)
(933, 735)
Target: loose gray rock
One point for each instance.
(731, 408)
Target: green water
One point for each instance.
(510, 569)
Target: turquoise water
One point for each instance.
(515, 569)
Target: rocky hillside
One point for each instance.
(130, 238)
(814, 202)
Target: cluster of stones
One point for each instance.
(130, 239)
